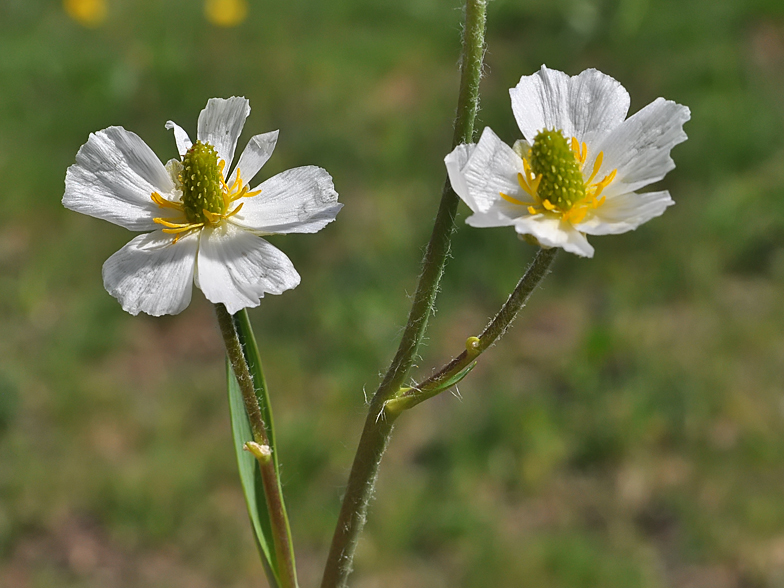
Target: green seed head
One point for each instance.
(201, 183)
(562, 181)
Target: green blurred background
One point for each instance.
(628, 432)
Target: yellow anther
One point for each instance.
(527, 168)
(513, 200)
(575, 215)
(596, 166)
(548, 205)
(600, 186)
(168, 223)
(524, 185)
(164, 203)
(235, 211)
(184, 229)
(535, 184)
(211, 216)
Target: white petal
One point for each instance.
(492, 169)
(180, 137)
(553, 232)
(640, 147)
(455, 162)
(256, 153)
(597, 104)
(113, 177)
(220, 125)
(151, 274)
(586, 106)
(483, 220)
(500, 214)
(540, 101)
(299, 200)
(236, 268)
(625, 212)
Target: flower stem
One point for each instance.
(284, 552)
(495, 329)
(378, 425)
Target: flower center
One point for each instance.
(554, 177)
(561, 178)
(202, 184)
(206, 197)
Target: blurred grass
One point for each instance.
(627, 432)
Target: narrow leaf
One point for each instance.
(454, 380)
(251, 481)
(409, 397)
(262, 530)
(251, 351)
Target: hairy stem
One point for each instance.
(433, 385)
(378, 425)
(272, 490)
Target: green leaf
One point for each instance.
(251, 481)
(408, 398)
(248, 466)
(453, 381)
(251, 351)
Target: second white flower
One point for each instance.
(578, 169)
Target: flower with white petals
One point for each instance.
(580, 165)
(206, 224)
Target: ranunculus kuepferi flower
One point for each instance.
(579, 167)
(206, 223)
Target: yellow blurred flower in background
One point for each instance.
(90, 13)
(226, 13)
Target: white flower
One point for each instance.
(578, 169)
(205, 228)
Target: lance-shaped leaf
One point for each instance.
(248, 466)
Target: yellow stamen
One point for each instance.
(184, 229)
(211, 216)
(580, 150)
(236, 210)
(524, 185)
(596, 166)
(535, 186)
(600, 186)
(180, 227)
(513, 200)
(168, 223)
(528, 171)
(569, 210)
(575, 215)
(164, 203)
